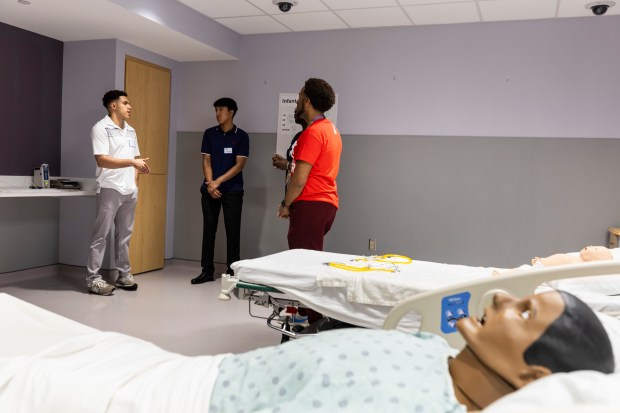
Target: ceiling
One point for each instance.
(133, 22)
(262, 16)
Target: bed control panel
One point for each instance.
(453, 307)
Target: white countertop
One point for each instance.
(48, 192)
(18, 187)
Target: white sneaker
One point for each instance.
(100, 287)
(126, 282)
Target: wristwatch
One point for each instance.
(284, 204)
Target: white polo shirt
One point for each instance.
(111, 140)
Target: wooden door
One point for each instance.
(148, 89)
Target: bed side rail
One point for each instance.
(441, 308)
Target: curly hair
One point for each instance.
(320, 93)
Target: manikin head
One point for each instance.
(521, 340)
(595, 253)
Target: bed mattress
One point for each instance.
(365, 298)
(360, 298)
(49, 363)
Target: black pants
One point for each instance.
(231, 203)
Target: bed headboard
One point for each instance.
(441, 308)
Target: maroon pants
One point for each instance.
(309, 222)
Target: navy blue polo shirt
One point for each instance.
(224, 149)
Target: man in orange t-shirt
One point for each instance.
(311, 199)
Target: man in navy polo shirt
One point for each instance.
(225, 149)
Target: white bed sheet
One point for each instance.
(51, 364)
(360, 298)
(365, 298)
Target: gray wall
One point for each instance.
(475, 201)
(29, 235)
(477, 144)
(261, 232)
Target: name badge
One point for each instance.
(227, 150)
(132, 143)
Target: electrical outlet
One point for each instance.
(372, 245)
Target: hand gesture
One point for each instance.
(141, 165)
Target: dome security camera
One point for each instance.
(285, 5)
(600, 7)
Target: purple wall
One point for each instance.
(538, 78)
(30, 104)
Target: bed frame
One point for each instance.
(442, 307)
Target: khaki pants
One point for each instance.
(112, 208)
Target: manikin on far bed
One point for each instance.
(587, 254)
(518, 341)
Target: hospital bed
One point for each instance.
(49, 363)
(300, 278)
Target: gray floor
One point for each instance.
(166, 309)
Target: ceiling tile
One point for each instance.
(223, 8)
(376, 17)
(302, 6)
(418, 2)
(321, 20)
(499, 10)
(358, 4)
(443, 13)
(253, 24)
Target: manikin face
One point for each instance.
(592, 253)
(223, 114)
(121, 108)
(509, 327)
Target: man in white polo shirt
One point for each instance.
(116, 151)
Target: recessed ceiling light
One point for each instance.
(23, 1)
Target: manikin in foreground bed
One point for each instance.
(358, 370)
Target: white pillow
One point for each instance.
(561, 391)
(564, 390)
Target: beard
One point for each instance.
(299, 114)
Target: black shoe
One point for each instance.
(203, 278)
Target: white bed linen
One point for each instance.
(360, 298)
(51, 364)
(365, 298)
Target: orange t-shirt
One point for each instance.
(320, 145)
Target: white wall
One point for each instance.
(543, 78)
